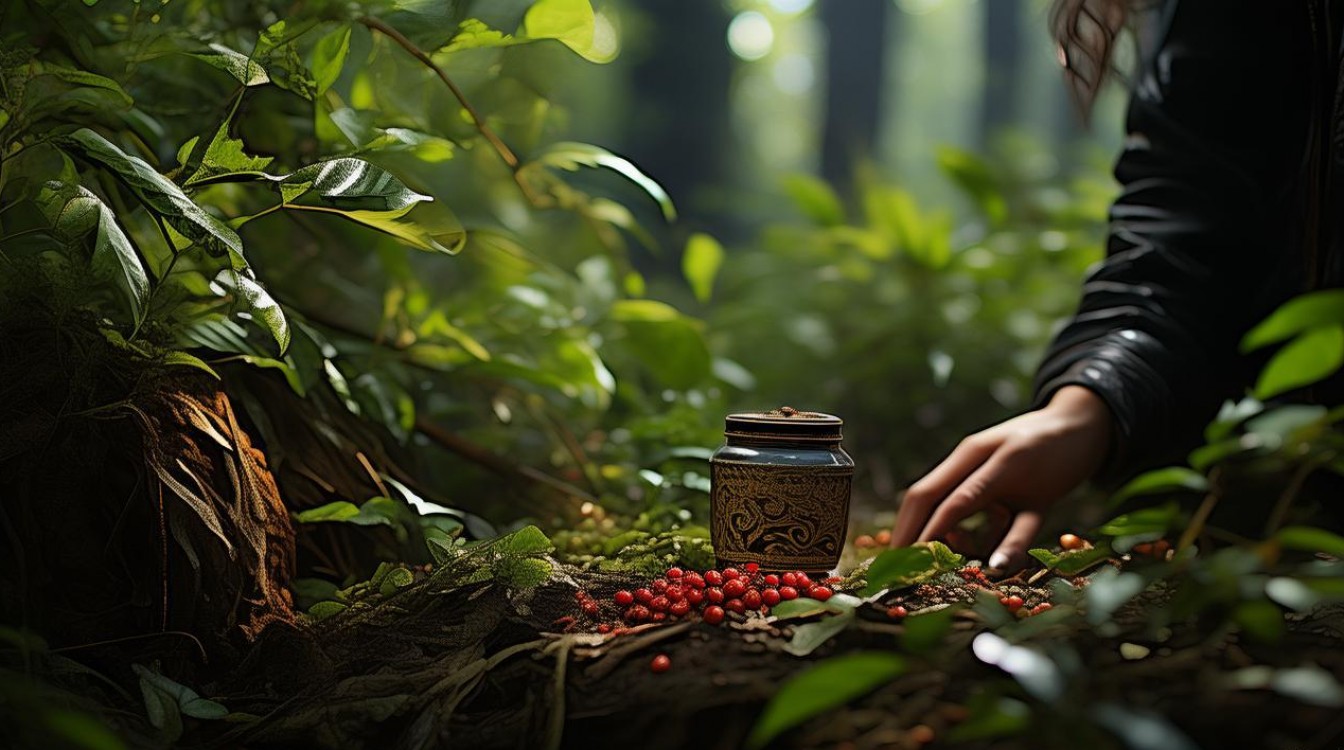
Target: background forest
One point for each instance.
(377, 324)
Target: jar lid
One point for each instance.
(784, 424)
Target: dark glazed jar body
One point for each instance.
(780, 495)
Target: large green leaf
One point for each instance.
(570, 22)
(899, 567)
(830, 684)
(1313, 310)
(74, 211)
(189, 702)
(570, 156)
(1313, 356)
(1311, 539)
(159, 194)
(700, 264)
(258, 303)
(329, 57)
(247, 71)
(668, 344)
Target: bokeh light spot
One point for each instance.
(750, 35)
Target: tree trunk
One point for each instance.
(855, 64)
(1003, 66)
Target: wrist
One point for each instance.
(1084, 408)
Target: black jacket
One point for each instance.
(1226, 177)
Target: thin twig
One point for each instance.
(1289, 494)
(495, 462)
(1196, 526)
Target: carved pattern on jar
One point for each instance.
(780, 516)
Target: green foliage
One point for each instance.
(906, 566)
(831, 683)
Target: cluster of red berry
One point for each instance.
(974, 575)
(715, 593)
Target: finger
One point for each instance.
(974, 493)
(1012, 551)
(924, 495)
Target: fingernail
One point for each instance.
(998, 560)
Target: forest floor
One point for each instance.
(481, 666)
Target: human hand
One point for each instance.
(1020, 467)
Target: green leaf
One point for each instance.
(1311, 357)
(340, 510)
(571, 22)
(1260, 619)
(1229, 416)
(570, 156)
(188, 701)
(973, 175)
(811, 636)
(185, 150)
(899, 567)
(348, 184)
(830, 684)
(74, 211)
(1072, 562)
(1171, 479)
(670, 345)
(183, 359)
(323, 610)
(329, 57)
(528, 540)
(1156, 520)
(797, 609)
(473, 33)
(246, 70)
(264, 310)
(225, 157)
(700, 264)
(815, 198)
(1311, 539)
(1298, 315)
(160, 194)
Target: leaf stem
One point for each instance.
(506, 154)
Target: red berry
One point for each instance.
(675, 593)
(713, 578)
(1071, 541)
(694, 580)
(789, 579)
(735, 605)
(624, 598)
(833, 580)
(1042, 607)
(580, 594)
(771, 579)
(803, 581)
(643, 595)
(659, 616)
(752, 599)
(604, 628)
(590, 608)
(660, 585)
(713, 614)
(1013, 603)
(637, 613)
(660, 664)
(731, 573)
(897, 612)
(673, 573)
(752, 568)
(734, 588)
(714, 594)
(787, 593)
(694, 596)
(659, 604)
(770, 597)
(680, 608)
(820, 593)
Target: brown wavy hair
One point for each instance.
(1086, 34)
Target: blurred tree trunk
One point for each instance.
(856, 32)
(681, 87)
(1003, 66)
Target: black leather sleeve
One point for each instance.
(1199, 245)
